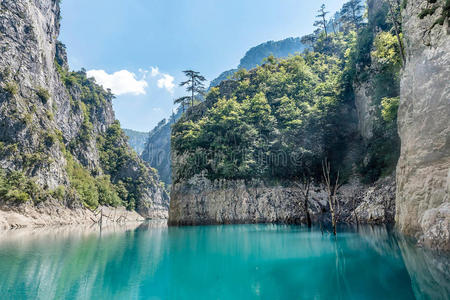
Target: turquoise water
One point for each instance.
(217, 262)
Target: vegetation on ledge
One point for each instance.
(283, 119)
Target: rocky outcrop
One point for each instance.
(53, 213)
(136, 139)
(200, 201)
(366, 110)
(157, 149)
(235, 202)
(53, 120)
(423, 172)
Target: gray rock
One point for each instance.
(423, 171)
(200, 201)
(29, 49)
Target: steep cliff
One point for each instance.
(136, 139)
(59, 140)
(201, 201)
(423, 172)
(157, 152)
(372, 68)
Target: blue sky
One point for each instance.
(139, 47)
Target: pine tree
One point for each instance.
(351, 14)
(184, 101)
(322, 22)
(194, 85)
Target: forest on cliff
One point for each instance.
(281, 120)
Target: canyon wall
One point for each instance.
(423, 172)
(56, 124)
(200, 201)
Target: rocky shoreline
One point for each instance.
(201, 201)
(53, 213)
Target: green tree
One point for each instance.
(395, 17)
(351, 14)
(194, 85)
(183, 101)
(322, 21)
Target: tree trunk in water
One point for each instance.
(308, 216)
(333, 215)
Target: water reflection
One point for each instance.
(227, 262)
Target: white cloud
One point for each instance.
(126, 82)
(121, 82)
(155, 71)
(166, 82)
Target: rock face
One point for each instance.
(423, 172)
(45, 118)
(201, 201)
(53, 213)
(157, 149)
(365, 110)
(136, 139)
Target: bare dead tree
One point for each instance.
(304, 187)
(332, 189)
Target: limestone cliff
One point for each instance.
(59, 139)
(157, 150)
(200, 201)
(423, 172)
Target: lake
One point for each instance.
(152, 261)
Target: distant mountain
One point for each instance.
(256, 55)
(136, 139)
(224, 76)
(279, 49)
(157, 148)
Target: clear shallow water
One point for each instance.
(217, 262)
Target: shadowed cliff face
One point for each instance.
(50, 116)
(423, 172)
(157, 149)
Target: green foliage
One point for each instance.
(390, 108)
(115, 158)
(275, 114)
(107, 193)
(59, 193)
(49, 115)
(194, 85)
(387, 50)
(43, 94)
(282, 119)
(11, 88)
(92, 191)
(49, 138)
(427, 12)
(82, 181)
(352, 14)
(16, 187)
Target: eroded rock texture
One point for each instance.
(42, 119)
(423, 172)
(200, 201)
